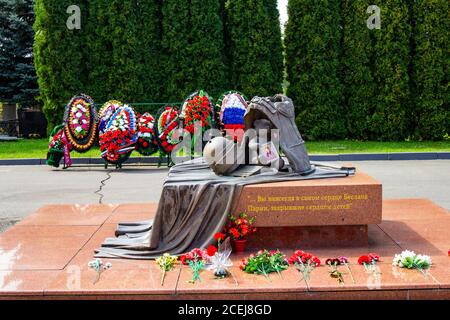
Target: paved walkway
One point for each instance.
(24, 189)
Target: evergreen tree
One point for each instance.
(207, 47)
(312, 40)
(59, 56)
(391, 62)
(356, 68)
(253, 45)
(18, 81)
(150, 73)
(192, 43)
(98, 55)
(430, 114)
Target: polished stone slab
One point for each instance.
(46, 258)
(355, 200)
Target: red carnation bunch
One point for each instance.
(238, 228)
(300, 256)
(194, 255)
(305, 263)
(370, 262)
(371, 258)
(196, 259)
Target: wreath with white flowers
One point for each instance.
(80, 119)
(119, 139)
(105, 114)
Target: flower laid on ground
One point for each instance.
(344, 262)
(410, 260)
(333, 264)
(240, 227)
(265, 262)
(369, 261)
(305, 263)
(196, 260)
(166, 263)
(98, 266)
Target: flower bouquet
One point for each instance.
(238, 228)
(410, 260)
(196, 260)
(167, 126)
(146, 143)
(80, 120)
(119, 138)
(305, 263)
(265, 262)
(219, 261)
(370, 263)
(232, 106)
(98, 266)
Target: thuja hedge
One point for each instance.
(312, 42)
(59, 56)
(430, 113)
(386, 84)
(155, 51)
(346, 80)
(254, 48)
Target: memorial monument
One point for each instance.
(198, 195)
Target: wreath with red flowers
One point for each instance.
(197, 108)
(146, 143)
(167, 126)
(119, 139)
(80, 119)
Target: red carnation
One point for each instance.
(364, 260)
(219, 236)
(211, 251)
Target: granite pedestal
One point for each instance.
(327, 212)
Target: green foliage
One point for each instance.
(356, 68)
(391, 61)
(193, 47)
(18, 80)
(430, 114)
(59, 59)
(312, 42)
(253, 46)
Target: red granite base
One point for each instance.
(45, 256)
(309, 237)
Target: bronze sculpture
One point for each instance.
(195, 201)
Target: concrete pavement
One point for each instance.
(23, 189)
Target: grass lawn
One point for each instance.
(37, 148)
